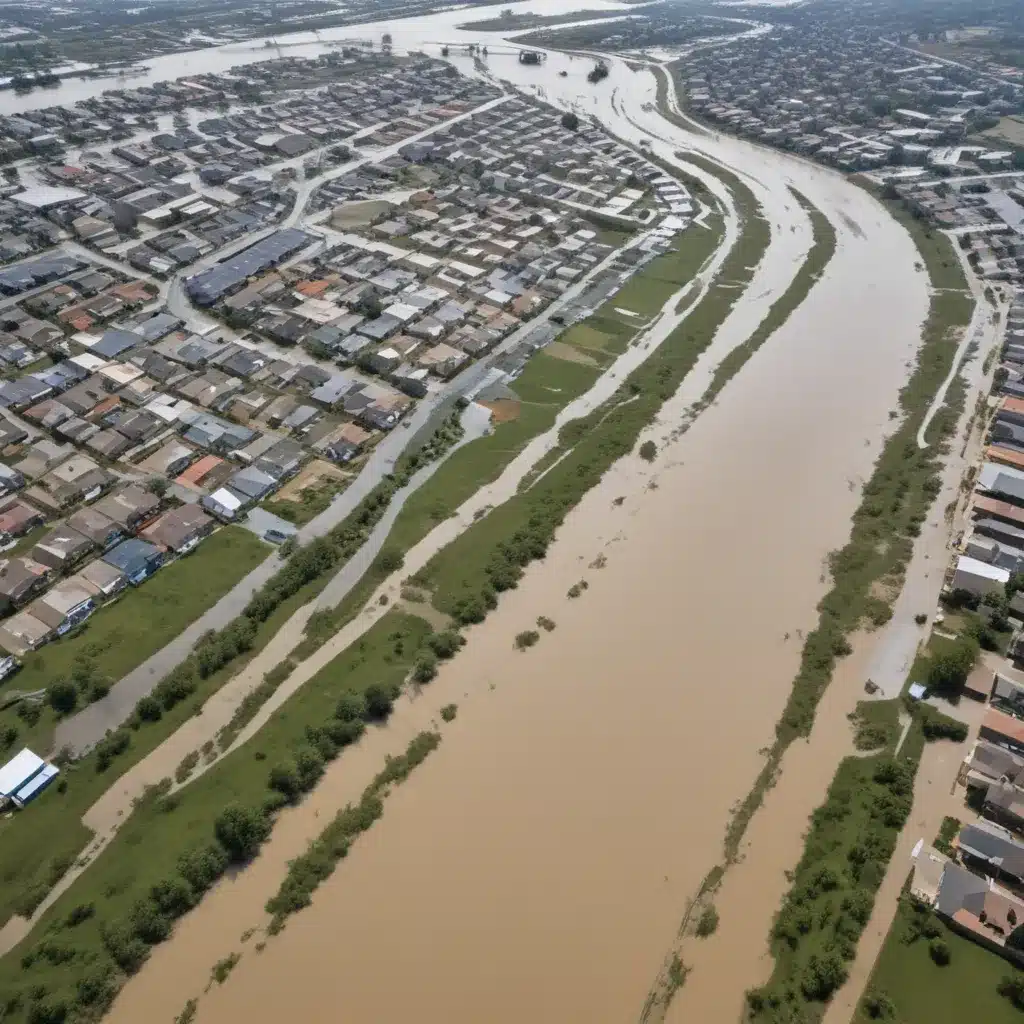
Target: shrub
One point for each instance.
(878, 1006)
(96, 988)
(1012, 988)
(350, 707)
(648, 451)
(446, 644)
(526, 639)
(149, 710)
(707, 923)
(545, 623)
(284, 779)
(241, 831)
(425, 668)
(148, 923)
(172, 897)
(126, 950)
(822, 976)
(79, 914)
(948, 670)
(449, 711)
(939, 952)
(62, 696)
(379, 702)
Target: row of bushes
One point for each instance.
(305, 873)
(217, 649)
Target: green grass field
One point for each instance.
(123, 634)
(964, 990)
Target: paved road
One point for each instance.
(82, 731)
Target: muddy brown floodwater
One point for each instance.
(536, 866)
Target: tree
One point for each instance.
(390, 560)
(284, 779)
(570, 121)
(241, 831)
(948, 670)
(878, 1006)
(823, 975)
(369, 305)
(378, 701)
(157, 485)
(1012, 988)
(939, 952)
(62, 696)
(1015, 940)
(535, 220)
(648, 451)
(350, 708)
(149, 710)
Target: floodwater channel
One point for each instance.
(536, 866)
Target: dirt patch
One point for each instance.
(1009, 129)
(503, 410)
(359, 214)
(314, 474)
(560, 350)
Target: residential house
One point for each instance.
(101, 579)
(129, 507)
(23, 632)
(179, 530)
(91, 523)
(17, 519)
(62, 548)
(137, 559)
(20, 580)
(63, 607)
(992, 848)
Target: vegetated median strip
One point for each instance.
(896, 500)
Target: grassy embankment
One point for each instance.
(43, 841)
(490, 556)
(173, 848)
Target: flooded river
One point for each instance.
(537, 865)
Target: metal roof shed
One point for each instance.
(18, 771)
(36, 785)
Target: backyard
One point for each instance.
(965, 989)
